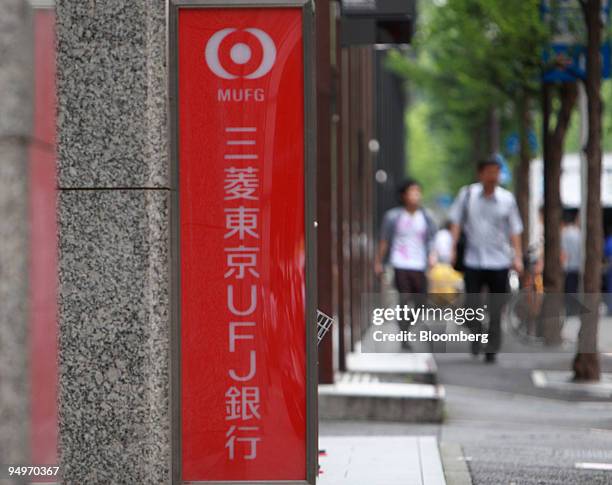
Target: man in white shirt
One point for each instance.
(571, 258)
(406, 241)
(492, 225)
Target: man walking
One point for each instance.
(571, 259)
(490, 220)
(407, 234)
(608, 269)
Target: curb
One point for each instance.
(455, 465)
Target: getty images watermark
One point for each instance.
(421, 314)
(520, 322)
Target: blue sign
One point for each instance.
(565, 58)
(564, 63)
(513, 143)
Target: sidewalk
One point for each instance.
(387, 387)
(380, 460)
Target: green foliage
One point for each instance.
(469, 57)
(427, 158)
(606, 94)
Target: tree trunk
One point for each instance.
(553, 156)
(480, 141)
(522, 175)
(586, 363)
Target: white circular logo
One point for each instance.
(240, 53)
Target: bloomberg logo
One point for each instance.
(251, 52)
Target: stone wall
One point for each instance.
(114, 226)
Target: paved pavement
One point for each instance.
(510, 431)
(512, 373)
(383, 460)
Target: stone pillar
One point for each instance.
(15, 129)
(114, 226)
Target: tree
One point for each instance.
(552, 158)
(479, 66)
(522, 172)
(586, 363)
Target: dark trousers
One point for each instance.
(572, 280)
(409, 284)
(608, 295)
(496, 282)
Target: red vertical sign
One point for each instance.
(242, 243)
(43, 248)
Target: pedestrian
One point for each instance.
(443, 244)
(406, 243)
(608, 269)
(571, 259)
(489, 218)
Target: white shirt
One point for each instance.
(443, 245)
(571, 245)
(409, 250)
(488, 226)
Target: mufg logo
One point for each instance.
(225, 56)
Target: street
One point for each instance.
(510, 431)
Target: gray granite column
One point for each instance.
(15, 128)
(114, 242)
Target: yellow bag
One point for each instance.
(444, 280)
